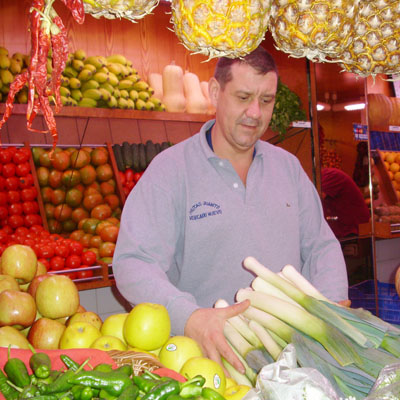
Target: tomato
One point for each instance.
(46, 251)
(30, 207)
(32, 219)
(5, 156)
(3, 236)
(29, 242)
(21, 156)
(8, 230)
(3, 199)
(76, 248)
(12, 183)
(88, 273)
(22, 169)
(57, 263)
(36, 229)
(130, 185)
(106, 249)
(13, 196)
(137, 176)
(73, 261)
(3, 212)
(45, 262)
(8, 170)
(12, 150)
(89, 258)
(15, 221)
(29, 194)
(129, 175)
(126, 190)
(2, 182)
(122, 177)
(26, 181)
(62, 250)
(71, 275)
(15, 209)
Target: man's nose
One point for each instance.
(254, 110)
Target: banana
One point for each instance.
(86, 102)
(140, 104)
(150, 90)
(15, 66)
(85, 74)
(22, 97)
(92, 94)
(65, 92)
(76, 94)
(90, 84)
(131, 104)
(149, 106)
(125, 84)
(5, 89)
(134, 78)
(108, 87)
(104, 70)
(130, 70)
(64, 81)
(100, 77)
(49, 66)
(133, 94)
(114, 68)
(112, 79)
(144, 95)
(77, 64)
(124, 71)
(91, 68)
(69, 59)
(19, 57)
(117, 93)
(70, 72)
(141, 86)
(96, 61)
(6, 76)
(1, 84)
(27, 60)
(65, 101)
(3, 51)
(103, 60)
(129, 63)
(122, 103)
(117, 58)
(73, 102)
(75, 83)
(124, 93)
(105, 94)
(4, 61)
(1, 96)
(161, 108)
(112, 103)
(80, 54)
(155, 101)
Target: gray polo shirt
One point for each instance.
(189, 223)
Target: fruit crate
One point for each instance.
(362, 295)
(388, 185)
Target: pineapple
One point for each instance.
(220, 28)
(375, 46)
(316, 29)
(128, 9)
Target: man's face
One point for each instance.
(244, 107)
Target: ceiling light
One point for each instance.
(323, 106)
(355, 106)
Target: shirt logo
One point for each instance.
(204, 209)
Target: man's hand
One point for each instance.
(206, 326)
(346, 303)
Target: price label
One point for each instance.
(301, 124)
(394, 128)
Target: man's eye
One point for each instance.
(243, 98)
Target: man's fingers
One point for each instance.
(235, 309)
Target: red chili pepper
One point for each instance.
(59, 47)
(77, 10)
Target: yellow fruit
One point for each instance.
(236, 392)
(114, 325)
(79, 335)
(394, 167)
(209, 369)
(229, 383)
(177, 350)
(147, 326)
(86, 316)
(390, 157)
(108, 342)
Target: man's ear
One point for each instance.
(213, 91)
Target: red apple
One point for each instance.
(45, 334)
(7, 282)
(35, 283)
(20, 262)
(17, 309)
(57, 296)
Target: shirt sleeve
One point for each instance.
(321, 253)
(145, 250)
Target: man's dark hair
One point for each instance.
(259, 59)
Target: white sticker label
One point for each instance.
(171, 347)
(394, 128)
(217, 381)
(301, 124)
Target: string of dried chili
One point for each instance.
(77, 10)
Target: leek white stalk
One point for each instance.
(269, 343)
(240, 379)
(314, 306)
(332, 339)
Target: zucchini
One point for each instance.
(158, 147)
(142, 157)
(127, 154)
(150, 151)
(118, 157)
(164, 145)
(135, 156)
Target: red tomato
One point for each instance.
(28, 194)
(12, 149)
(3, 198)
(15, 209)
(129, 175)
(122, 177)
(21, 156)
(29, 242)
(57, 263)
(2, 182)
(71, 275)
(32, 219)
(137, 176)
(62, 250)
(13, 196)
(126, 190)
(26, 181)
(8, 170)
(88, 273)
(22, 169)
(15, 221)
(22, 231)
(37, 229)
(3, 212)
(12, 183)
(30, 207)
(73, 261)
(130, 185)
(3, 236)
(75, 247)
(8, 230)
(89, 258)
(5, 156)
(46, 251)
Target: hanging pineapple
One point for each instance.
(218, 28)
(316, 29)
(128, 9)
(375, 46)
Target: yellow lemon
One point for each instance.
(236, 392)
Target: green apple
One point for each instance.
(108, 342)
(20, 262)
(86, 316)
(114, 325)
(79, 335)
(7, 282)
(12, 337)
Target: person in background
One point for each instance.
(343, 203)
(205, 204)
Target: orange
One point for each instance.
(106, 188)
(112, 200)
(95, 241)
(73, 197)
(79, 214)
(99, 156)
(109, 233)
(102, 211)
(106, 249)
(394, 167)
(79, 158)
(104, 172)
(77, 234)
(60, 160)
(71, 178)
(88, 174)
(62, 212)
(92, 200)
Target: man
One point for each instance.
(206, 203)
